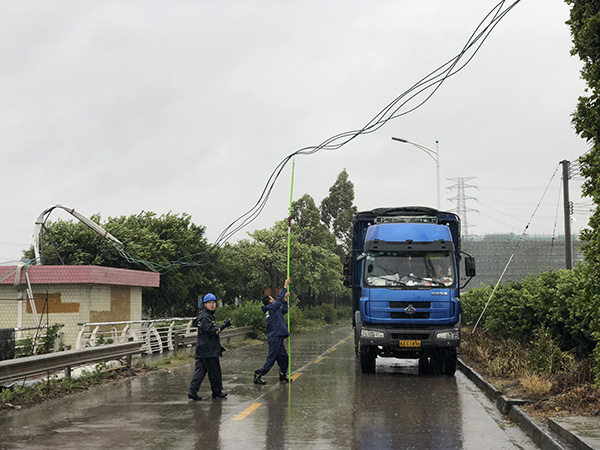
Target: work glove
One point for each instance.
(226, 324)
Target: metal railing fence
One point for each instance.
(156, 334)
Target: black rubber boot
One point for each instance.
(258, 378)
(221, 394)
(283, 377)
(194, 396)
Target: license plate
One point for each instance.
(409, 343)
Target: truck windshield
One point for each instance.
(422, 270)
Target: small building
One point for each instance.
(69, 295)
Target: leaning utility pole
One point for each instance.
(567, 213)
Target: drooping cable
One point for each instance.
(433, 80)
(428, 85)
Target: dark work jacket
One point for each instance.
(208, 344)
(276, 325)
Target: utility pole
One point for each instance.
(567, 213)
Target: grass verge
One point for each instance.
(555, 383)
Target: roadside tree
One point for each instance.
(584, 22)
(337, 211)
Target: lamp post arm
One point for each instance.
(432, 153)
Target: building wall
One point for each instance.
(82, 295)
(71, 305)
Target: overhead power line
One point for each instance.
(408, 101)
(427, 85)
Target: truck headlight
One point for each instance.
(448, 335)
(371, 334)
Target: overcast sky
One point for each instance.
(118, 107)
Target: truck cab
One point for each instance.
(404, 274)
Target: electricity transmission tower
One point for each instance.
(461, 201)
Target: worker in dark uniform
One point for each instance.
(277, 332)
(208, 350)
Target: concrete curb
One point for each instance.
(510, 408)
(581, 432)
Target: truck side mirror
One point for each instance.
(470, 266)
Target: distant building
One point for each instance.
(533, 255)
(70, 295)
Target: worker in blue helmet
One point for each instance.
(208, 350)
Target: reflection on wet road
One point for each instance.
(330, 405)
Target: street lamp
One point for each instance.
(433, 154)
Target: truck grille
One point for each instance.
(411, 336)
(417, 305)
(403, 315)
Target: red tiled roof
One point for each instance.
(82, 275)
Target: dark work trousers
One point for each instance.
(212, 366)
(277, 353)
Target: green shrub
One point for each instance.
(546, 357)
(25, 347)
(322, 313)
(300, 320)
(554, 299)
(249, 313)
(344, 313)
(329, 313)
(102, 340)
(223, 312)
(45, 344)
(557, 311)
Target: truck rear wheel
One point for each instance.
(367, 360)
(357, 327)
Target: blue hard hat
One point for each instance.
(209, 298)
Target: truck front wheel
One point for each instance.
(367, 360)
(441, 363)
(450, 363)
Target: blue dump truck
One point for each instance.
(404, 273)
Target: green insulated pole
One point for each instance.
(288, 268)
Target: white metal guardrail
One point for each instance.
(31, 365)
(156, 334)
(228, 335)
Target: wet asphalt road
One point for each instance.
(330, 405)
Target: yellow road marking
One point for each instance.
(295, 376)
(245, 413)
(318, 360)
